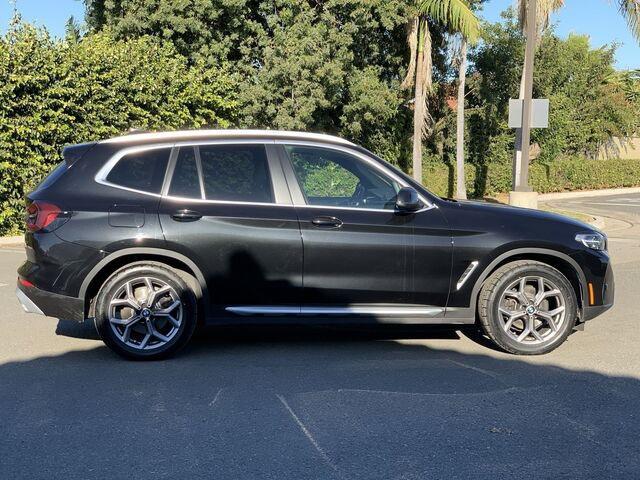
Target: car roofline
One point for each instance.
(182, 135)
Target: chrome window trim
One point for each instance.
(427, 204)
(103, 173)
(224, 202)
(355, 209)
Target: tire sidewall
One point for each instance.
(570, 309)
(103, 326)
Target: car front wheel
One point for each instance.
(527, 307)
(145, 312)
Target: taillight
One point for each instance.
(25, 283)
(45, 216)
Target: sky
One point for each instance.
(597, 18)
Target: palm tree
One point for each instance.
(456, 16)
(461, 190)
(629, 9)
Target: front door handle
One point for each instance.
(327, 222)
(186, 216)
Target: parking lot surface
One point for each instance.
(312, 403)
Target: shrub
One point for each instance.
(54, 93)
(568, 174)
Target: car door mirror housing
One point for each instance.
(408, 200)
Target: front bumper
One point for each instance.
(35, 300)
(590, 313)
(604, 292)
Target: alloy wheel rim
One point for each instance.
(145, 313)
(532, 310)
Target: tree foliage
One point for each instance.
(328, 65)
(589, 105)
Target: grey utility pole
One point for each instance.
(529, 54)
(522, 195)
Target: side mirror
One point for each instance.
(407, 200)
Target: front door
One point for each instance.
(359, 252)
(227, 208)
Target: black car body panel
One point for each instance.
(280, 257)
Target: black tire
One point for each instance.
(491, 296)
(153, 349)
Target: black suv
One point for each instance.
(152, 233)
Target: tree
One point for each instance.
(208, 31)
(629, 9)
(461, 190)
(591, 102)
(458, 17)
(326, 65)
(72, 31)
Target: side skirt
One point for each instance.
(402, 315)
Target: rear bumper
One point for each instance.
(35, 300)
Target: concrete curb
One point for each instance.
(17, 240)
(587, 193)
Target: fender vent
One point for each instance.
(466, 274)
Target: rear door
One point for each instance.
(226, 206)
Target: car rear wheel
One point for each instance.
(527, 307)
(145, 312)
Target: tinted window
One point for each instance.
(142, 170)
(186, 181)
(332, 178)
(54, 175)
(236, 172)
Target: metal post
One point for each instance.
(530, 49)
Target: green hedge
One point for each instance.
(557, 176)
(54, 93)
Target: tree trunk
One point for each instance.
(422, 88)
(418, 107)
(461, 190)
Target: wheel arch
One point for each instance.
(561, 261)
(182, 264)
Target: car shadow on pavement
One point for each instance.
(312, 403)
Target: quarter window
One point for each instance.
(142, 171)
(186, 181)
(330, 177)
(236, 173)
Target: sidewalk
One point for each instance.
(543, 197)
(15, 241)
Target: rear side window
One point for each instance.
(54, 175)
(236, 173)
(142, 171)
(185, 181)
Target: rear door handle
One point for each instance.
(186, 216)
(327, 222)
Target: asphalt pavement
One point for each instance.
(312, 403)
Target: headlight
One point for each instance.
(595, 241)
